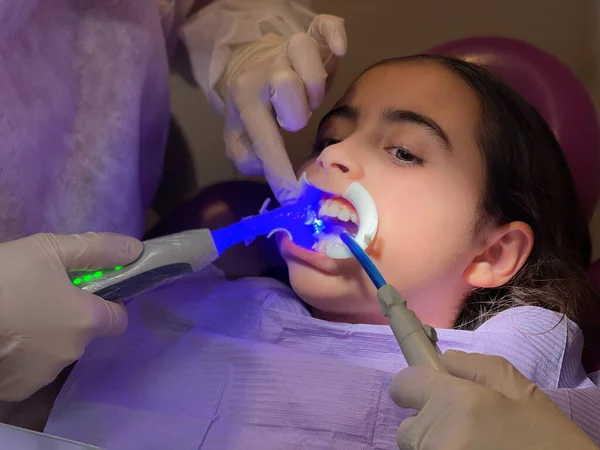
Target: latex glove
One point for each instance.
(286, 76)
(486, 404)
(45, 321)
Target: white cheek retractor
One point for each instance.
(368, 219)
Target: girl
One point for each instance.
(479, 228)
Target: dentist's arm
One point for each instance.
(45, 321)
(483, 403)
(264, 64)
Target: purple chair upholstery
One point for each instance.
(554, 91)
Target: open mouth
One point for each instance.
(354, 211)
(336, 214)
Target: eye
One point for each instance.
(402, 156)
(322, 144)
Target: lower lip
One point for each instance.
(320, 261)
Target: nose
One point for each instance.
(339, 158)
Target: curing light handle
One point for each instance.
(168, 258)
(162, 261)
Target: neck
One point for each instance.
(364, 317)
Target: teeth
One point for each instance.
(344, 215)
(363, 209)
(334, 208)
(366, 210)
(322, 209)
(327, 241)
(323, 246)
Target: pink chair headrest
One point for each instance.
(554, 91)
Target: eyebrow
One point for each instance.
(346, 112)
(406, 116)
(397, 116)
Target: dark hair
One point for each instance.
(528, 180)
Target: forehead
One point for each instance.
(426, 87)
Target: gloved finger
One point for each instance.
(92, 250)
(330, 33)
(237, 145)
(404, 435)
(412, 387)
(490, 371)
(305, 58)
(415, 386)
(282, 181)
(268, 146)
(108, 318)
(288, 95)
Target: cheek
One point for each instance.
(422, 234)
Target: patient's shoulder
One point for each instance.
(546, 345)
(529, 319)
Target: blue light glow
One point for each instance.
(318, 226)
(299, 219)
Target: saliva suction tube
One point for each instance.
(417, 341)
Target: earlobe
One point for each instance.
(506, 251)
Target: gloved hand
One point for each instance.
(287, 75)
(45, 321)
(485, 403)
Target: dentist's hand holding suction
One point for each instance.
(483, 403)
(277, 80)
(45, 321)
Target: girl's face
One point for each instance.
(407, 133)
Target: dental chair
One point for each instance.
(554, 91)
(539, 77)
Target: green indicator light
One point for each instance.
(77, 281)
(118, 267)
(98, 274)
(87, 278)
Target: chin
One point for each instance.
(330, 285)
(311, 282)
(327, 292)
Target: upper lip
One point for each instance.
(328, 195)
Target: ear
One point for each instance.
(506, 250)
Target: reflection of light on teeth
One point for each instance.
(363, 213)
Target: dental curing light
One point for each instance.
(417, 341)
(168, 258)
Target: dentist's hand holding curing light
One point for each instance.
(286, 76)
(485, 403)
(45, 321)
